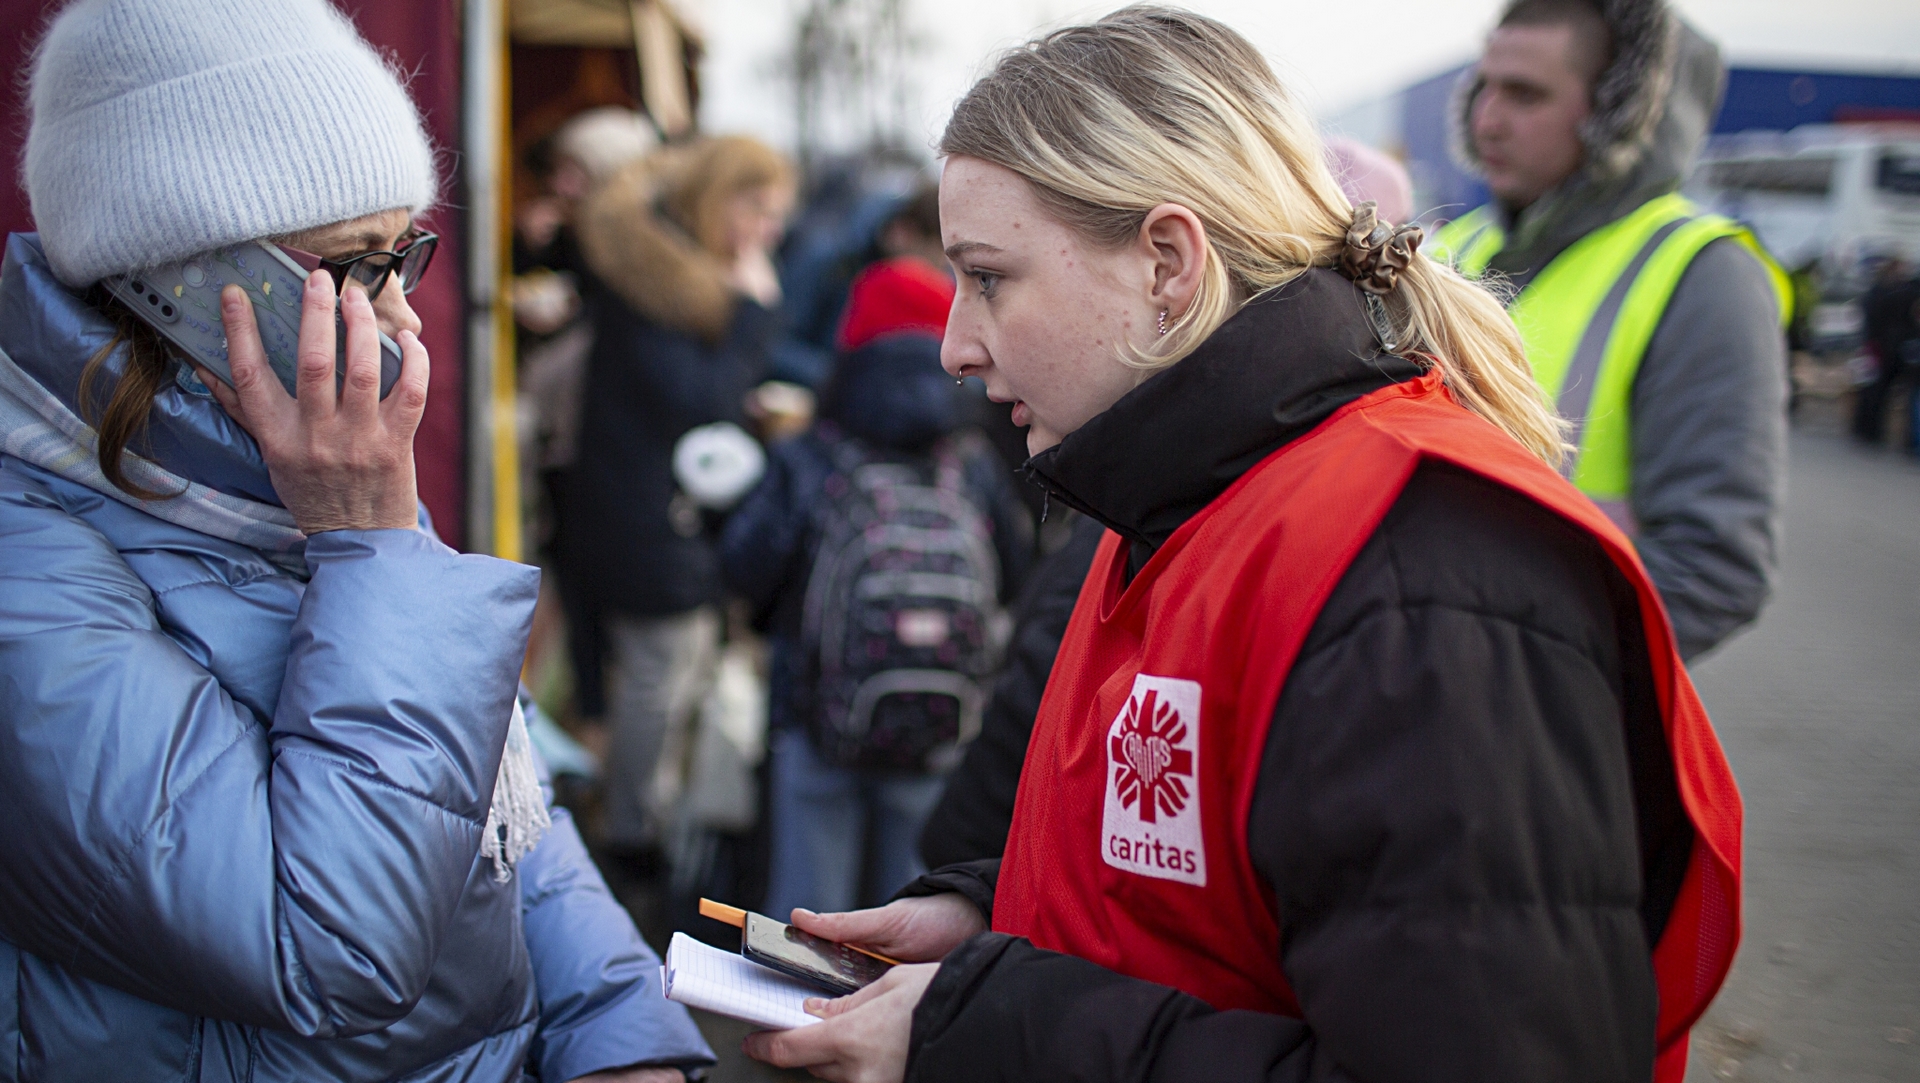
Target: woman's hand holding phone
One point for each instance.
(339, 460)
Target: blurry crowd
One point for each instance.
(786, 551)
(782, 541)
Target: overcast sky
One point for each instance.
(1335, 54)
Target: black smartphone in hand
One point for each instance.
(832, 967)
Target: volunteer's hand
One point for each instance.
(919, 930)
(338, 461)
(635, 1075)
(863, 1037)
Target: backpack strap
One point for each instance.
(952, 453)
(845, 454)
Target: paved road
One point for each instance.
(1819, 709)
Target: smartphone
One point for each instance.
(834, 968)
(182, 302)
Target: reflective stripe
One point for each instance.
(1604, 470)
(1589, 314)
(1469, 242)
(1583, 372)
(1556, 307)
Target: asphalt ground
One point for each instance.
(1819, 710)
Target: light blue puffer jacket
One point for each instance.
(243, 809)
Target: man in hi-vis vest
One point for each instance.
(1656, 328)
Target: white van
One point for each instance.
(1841, 196)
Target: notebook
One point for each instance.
(701, 976)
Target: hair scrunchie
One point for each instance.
(1377, 252)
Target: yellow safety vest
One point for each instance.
(1587, 317)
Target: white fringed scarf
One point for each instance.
(518, 816)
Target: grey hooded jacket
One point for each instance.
(244, 806)
(1709, 401)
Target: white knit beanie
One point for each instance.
(164, 128)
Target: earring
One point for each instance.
(1163, 322)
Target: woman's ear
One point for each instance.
(1173, 237)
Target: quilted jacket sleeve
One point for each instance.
(294, 871)
(599, 984)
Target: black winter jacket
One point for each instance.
(1465, 810)
(644, 553)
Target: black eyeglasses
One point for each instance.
(372, 269)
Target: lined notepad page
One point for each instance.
(701, 976)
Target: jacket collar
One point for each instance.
(51, 331)
(1278, 368)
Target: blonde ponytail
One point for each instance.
(1153, 105)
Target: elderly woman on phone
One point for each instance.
(1367, 755)
(273, 814)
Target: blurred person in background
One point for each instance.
(276, 815)
(889, 491)
(1892, 311)
(555, 336)
(1656, 328)
(850, 203)
(685, 308)
(568, 165)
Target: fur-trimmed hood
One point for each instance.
(1652, 107)
(648, 260)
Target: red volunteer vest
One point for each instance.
(1129, 839)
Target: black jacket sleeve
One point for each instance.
(1071, 1021)
(974, 879)
(1446, 812)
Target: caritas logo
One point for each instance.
(1152, 820)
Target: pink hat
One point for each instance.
(1365, 173)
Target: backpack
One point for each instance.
(902, 626)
